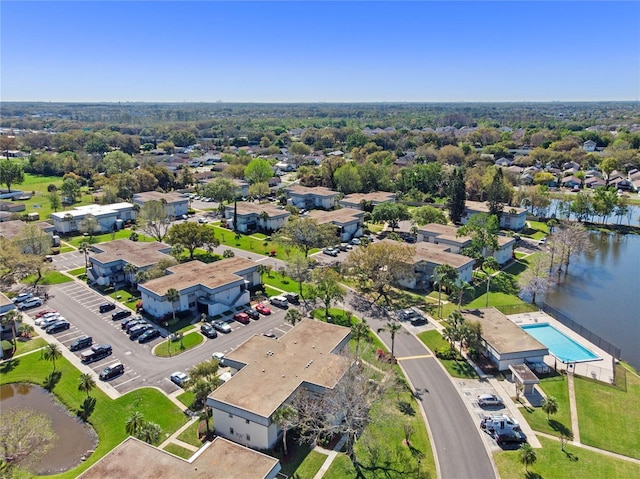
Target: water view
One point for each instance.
(75, 438)
(601, 292)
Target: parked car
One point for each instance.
(218, 356)
(136, 331)
(30, 303)
(148, 335)
(279, 301)
(208, 330)
(330, 252)
(112, 371)
(60, 325)
(419, 321)
(22, 297)
(293, 298)
(510, 436)
(104, 307)
(133, 324)
(179, 378)
(345, 247)
(489, 400)
(40, 314)
(123, 313)
(46, 322)
(242, 318)
(270, 335)
(81, 343)
(96, 353)
(47, 318)
(222, 327)
(355, 241)
(252, 313)
(262, 309)
(130, 320)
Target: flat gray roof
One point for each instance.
(276, 368)
(221, 459)
(138, 253)
(340, 216)
(501, 333)
(171, 197)
(315, 191)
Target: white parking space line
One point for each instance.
(278, 329)
(127, 381)
(63, 337)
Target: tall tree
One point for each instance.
(527, 456)
(85, 248)
(445, 276)
(549, 405)
(306, 233)
(11, 173)
(89, 225)
(25, 435)
(258, 171)
(535, 279)
(191, 236)
(392, 329)
(491, 264)
(457, 196)
(54, 200)
(70, 190)
(10, 318)
(483, 230)
(221, 189)
(51, 353)
(293, 316)
(428, 214)
(86, 383)
(326, 287)
(154, 220)
(359, 331)
(460, 289)
(172, 296)
(498, 194)
(391, 213)
(297, 267)
(118, 162)
(285, 417)
(34, 241)
(135, 423)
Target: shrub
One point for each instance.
(447, 353)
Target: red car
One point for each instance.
(262, 309)
(242, 318)
(40, 314)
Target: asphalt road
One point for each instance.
(460, 450)
(79, 305)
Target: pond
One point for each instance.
(75, 437)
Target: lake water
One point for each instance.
(632, 219)
(602, 292)
(75, 438)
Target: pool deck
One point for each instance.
(602, 370)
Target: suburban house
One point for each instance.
(347, 220)
(242, 187)
(13, 231)
(594, 182)
(571, 182)
(504, 342)
(219, 459)
(175, 204)
(109, 217)
(306, 198)
(206, 288)
(447, 235)
(268, 374)
(252, 217)
(589, 145)
(505, 162)
(355, 200)
(511, 218)
(12, 206)
(107, 265)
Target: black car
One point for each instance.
(126, 322)
(112, 371)
(510, 437)
(252, 313)
(293, 298)
(209, 331)
(96, 353)
(132, 324)
(419, 321)
(148, 335)
(81, 343)
(121, 314)
(104, 307)
(136, 331)
(58, 326)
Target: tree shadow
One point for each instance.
(9, 365)
(504, 283)
(52, 380)
(572, 457)
(417, 453)
(406, 408)
(87, 408)
(533, 475)
(560, 428)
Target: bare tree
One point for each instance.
(154, 220)
(573, 239)
(25, 434)
(535, 280)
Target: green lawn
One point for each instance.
(552, 463)
(190, 434)
(103, 238)
(52, 277)
(189, 341)
(186, 398)
(67, 249)
(179, 451)
(381, 450)
(109, 416)
(338, 316)
(559, 422)
(311, 465)
(39, 202)
(77, 271)
(250, 243)
(609, 416)
(276, 280)
(126, 297)
(24, 346)
(457, 369)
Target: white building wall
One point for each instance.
(243, 431)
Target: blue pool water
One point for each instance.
(560, 345)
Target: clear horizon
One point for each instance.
(320, 52)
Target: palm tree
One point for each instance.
(10, 319)
(490, 263)
(85, 247)
(550, 406)
(358, 331)
(527, 456)
(173, 295)
(284, 417)
(87, 383)
(460, 289)
(150, 432)
(130, 270)
(456, 323)
(445, 275)
(51, 353)
(135, 422)
(140, 277)
(293, 316)
(392, 329)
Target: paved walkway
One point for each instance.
(174, 437)
(574, 409)
(331, 455)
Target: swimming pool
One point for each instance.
(560, 345)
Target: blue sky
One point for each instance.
(294, 51)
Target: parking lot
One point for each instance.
(80, 306)
(67, 261)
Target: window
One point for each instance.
(247, 421)
(231, 430)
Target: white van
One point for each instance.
(279, 301)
